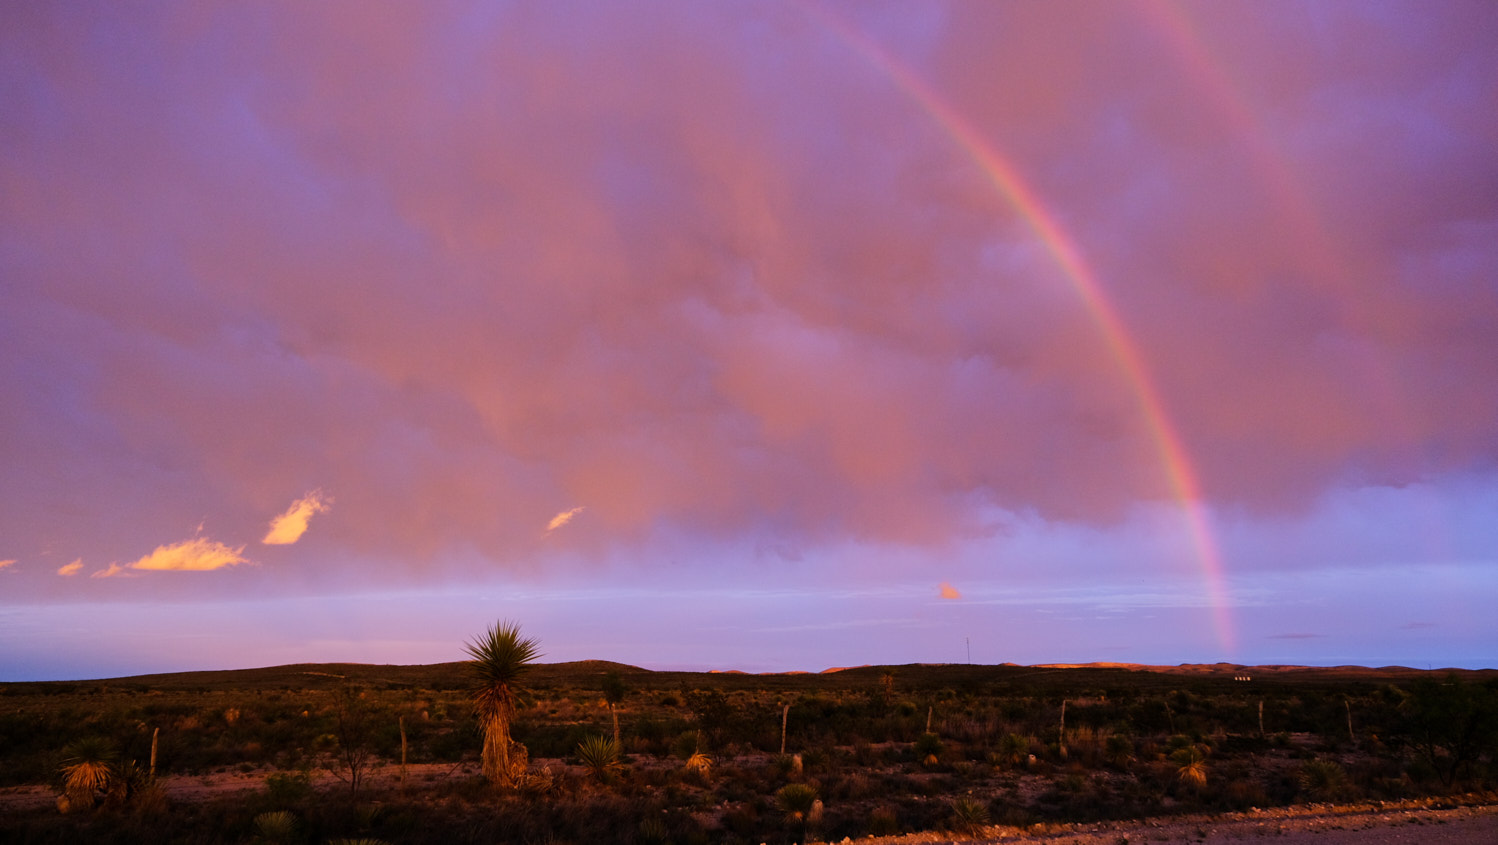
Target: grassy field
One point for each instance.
(868, 750)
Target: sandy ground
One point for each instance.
(1471, 821)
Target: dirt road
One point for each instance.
(1402, 824)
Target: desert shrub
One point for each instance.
(288, 789)
(883, 822)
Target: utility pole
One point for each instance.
(969, 641)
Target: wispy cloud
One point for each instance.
(112, 571)
(4, 564)
(199, 555)
(70, 568)
(563, 518)
(1415, 626)
(1297, 636)
(949, 592)
(291, 525)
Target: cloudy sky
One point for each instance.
(766, 335)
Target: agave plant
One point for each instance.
(600, 756)
(500, 660)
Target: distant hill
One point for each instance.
(589, 674)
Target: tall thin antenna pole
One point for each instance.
(969, 641)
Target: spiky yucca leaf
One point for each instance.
(501, 657)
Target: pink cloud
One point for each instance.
(563, 518)
(68, 569)
(948, 591)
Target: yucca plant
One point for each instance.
(500, 660)
(1192, 765)
(699, 763)
(1013, 749)
(1119, 750)
(276, 826)
(1322, 780)
(968, 816)
(87, 771)
(600, 756)
(799, 804)
(653, 831)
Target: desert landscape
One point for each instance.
(1104, 753)
(893, 421)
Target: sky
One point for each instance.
(764, 336)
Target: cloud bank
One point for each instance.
(712, 270)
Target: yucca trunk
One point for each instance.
(497, 750)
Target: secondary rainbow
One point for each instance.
(1063, 249)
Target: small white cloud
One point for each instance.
(70, 568)
(197, 555)
(290, 526)
(562, 519)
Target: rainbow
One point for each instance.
(1007, 180)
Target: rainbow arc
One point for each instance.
(1064, 251)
